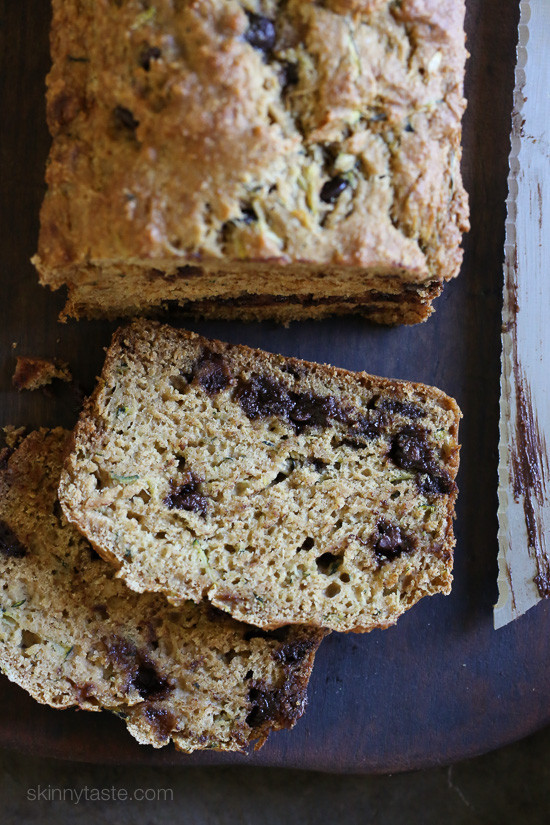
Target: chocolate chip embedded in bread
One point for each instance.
(261, 32)
(332, 189)
(436, 485)
(140, 672)
(293, 652)
(212, 373)
(411, 451)
(264, 704)
(260, 396)
(393, 406)
(187, 496)
(390, 542)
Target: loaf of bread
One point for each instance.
(283, 491)
(253, 158)
(72, 634)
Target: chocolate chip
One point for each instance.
(212, 373)
(125, 118)
(391, 542)
(186, 496)
(148, 683)
(260, 33)
(410, 451)
(261, 396)
(394, 407)
(264, 705)
(141, 673)
(332, 189)
(151, 53)
(436, 485)
(308, 409)
(362, 431)
(10, 546)
(294, 652)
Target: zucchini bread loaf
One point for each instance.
(283, 491)
(72, 634)
(254, 158)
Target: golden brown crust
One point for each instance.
(209, 150)
(72, 634)
(281, 490)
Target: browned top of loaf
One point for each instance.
(71, 633)
(252, 129)
(281, 490)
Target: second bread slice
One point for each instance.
(282, 491)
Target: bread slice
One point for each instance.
(283, 491)
(72, 634)
(253, 158)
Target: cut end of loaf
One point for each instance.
(298, 292)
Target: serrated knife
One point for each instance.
(524, 475)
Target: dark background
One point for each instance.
(441, 685)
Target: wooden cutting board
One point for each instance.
(442, 684)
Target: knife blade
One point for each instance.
(524, 475)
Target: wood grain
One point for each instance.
(524, 467)
(440, 685)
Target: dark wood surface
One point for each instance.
(442, 684)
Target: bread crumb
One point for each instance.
(13, 435)
(33, 373)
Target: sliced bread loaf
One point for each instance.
(283, 491)
(72, 634)
(255, 158)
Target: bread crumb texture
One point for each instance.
(282, 491)
(34, 373)
(218, 153)
(72, 634)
